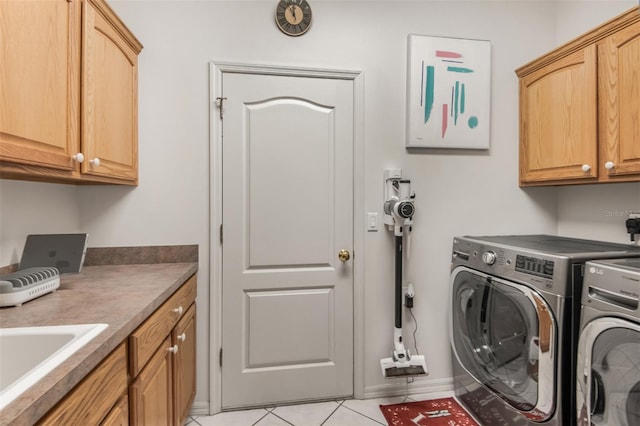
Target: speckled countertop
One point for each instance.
(122, 296)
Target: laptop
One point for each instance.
(64, 251)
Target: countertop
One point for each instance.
(122, 296)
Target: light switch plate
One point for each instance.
(372, 222)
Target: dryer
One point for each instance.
(608, 366)
(514, 324)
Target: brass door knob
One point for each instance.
(344, 255)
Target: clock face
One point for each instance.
(293, 17)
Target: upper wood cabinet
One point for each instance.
(69, 84)
(619, 90)
(580, 109)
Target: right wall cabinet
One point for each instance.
(580, 108)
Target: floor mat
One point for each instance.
(434, 412)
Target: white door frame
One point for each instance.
(217, 68)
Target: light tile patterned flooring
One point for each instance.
(350, 412)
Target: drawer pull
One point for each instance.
(179, 310)
(182, 337)
(173, 349)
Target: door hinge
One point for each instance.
(220, 101)
(220, 357)
(220, 233)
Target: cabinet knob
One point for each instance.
(609, 165)
(173, 349)
(182, 337)
(79, 157)
(586, 168)
(95, 162)
(179, 310)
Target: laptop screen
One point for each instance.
(64, 251)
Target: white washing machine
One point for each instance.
(608, 366)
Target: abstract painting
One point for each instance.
(448, 92)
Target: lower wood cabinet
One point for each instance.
(184, 365)
(119, 415)
(162, 362)
(151, 393)
(150, 379)
(90, 402)
(163, 392)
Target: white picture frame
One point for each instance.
(448, 92)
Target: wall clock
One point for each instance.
(293, 17)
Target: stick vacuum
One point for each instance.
(399, 210)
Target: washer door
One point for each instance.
(608, 377)
(504, 335)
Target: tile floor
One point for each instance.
(350, 412)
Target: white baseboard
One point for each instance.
(395, 387)
(399, 387)
(199, 409)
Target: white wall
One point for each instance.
(458, 192)
(34, 208)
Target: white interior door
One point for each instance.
(287, 192)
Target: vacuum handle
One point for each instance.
(398, 284)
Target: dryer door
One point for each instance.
(608, 388)
(504, 335)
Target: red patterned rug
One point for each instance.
(434, 412)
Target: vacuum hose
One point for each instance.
(398, 305)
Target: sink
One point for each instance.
(29, 353)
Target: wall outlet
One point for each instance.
(409, 293)
(633, 225)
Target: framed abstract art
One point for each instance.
(448, 93)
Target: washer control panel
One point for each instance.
(542, 270)
(534, 266)
(489, 257)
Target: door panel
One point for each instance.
(619, 104)
(109, 99)
(287, 211)
(39, 94)
(314, 312)
(309, 157)
(559, 120)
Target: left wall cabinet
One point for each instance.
(69, 85)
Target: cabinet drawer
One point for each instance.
(90, 401)
(145, 340)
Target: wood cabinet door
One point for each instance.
(90, 401)
(110, 96)
(151, 393)
(558, 120)
(119, 415)
(40, 82)
(184, 335)
(619, 59)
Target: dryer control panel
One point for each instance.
(534, 266)
(544, 271)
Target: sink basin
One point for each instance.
(28, 353)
